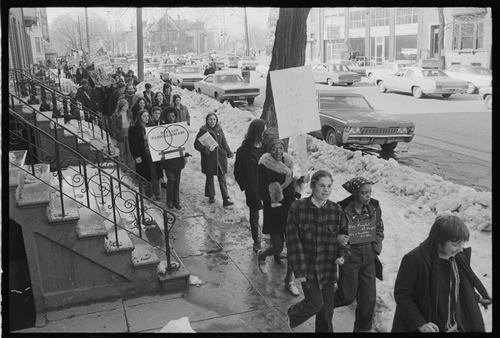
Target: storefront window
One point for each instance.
(379, 17)
(406, 47)
(357, 19)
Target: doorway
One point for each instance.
(22, 313)
(434, 50)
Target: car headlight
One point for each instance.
(439, 86)
(355, 130)
(465, 86)
(402, 130)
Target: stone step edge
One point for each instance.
(54, 209)
(36, 189)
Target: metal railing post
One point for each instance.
(167, 242)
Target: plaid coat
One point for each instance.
(311, 239)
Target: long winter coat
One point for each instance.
(210, 161)
(173, 164)
(415, 291)
(270, 171)
(245, 172)
(117, 126)
(138, 149)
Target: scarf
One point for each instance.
(451, 323)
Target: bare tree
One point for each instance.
(289, 51)
(441, 33)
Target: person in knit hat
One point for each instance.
(277, 192)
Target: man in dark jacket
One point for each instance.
(113, 100)
(148, 95)
(81, 73)
(83, 96)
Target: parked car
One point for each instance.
(193, 59)
(420, 81)
(231, 62)
(186, 76)
(389, 68)
(477, 77)
(227, 85)
(334, 73)
(165, 69)
(348, 118)
(486, 94)
(121, 63)
(248, 61)
(351, 66)
(262, 69)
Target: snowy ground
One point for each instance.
(410, 200)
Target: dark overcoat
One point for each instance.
(138, 149)
(245, 172)
(211, 160)
(415, 291)
(270, 171)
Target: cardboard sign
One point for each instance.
(169, 141)
(361, 231)
(295, 101)
(104, 62)
(302, 151)
(100, 77)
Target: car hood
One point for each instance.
(367, 119)
(237, 85)
(190, 75)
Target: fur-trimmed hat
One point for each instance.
(270, 137)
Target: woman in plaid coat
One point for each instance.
(314, 223)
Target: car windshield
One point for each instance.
(228, 78)
(338, 68)
(167, 67)
(480, 71)
(249, 58)
(121, 60)
(343, 103)
(189, 70)
(433, 72)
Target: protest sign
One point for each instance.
(169, 141)
(295, 101)
(99, 76)
(302, 151)
(361, 231)
(104, 62)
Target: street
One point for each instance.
(453, 136)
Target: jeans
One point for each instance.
(316, 302)
(210, 186)
(357, 281)
(125, 155)
(254, 224)
(277, 243)
(173, 183)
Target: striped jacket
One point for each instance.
(311, 239)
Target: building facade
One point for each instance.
(376, 35)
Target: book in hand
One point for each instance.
(207, 140)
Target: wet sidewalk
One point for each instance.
(234, 296)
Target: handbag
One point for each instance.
(378, 268)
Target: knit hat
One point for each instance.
(355, 183)
(270, 137)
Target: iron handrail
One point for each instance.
(144, 215)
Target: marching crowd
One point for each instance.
(435, 289)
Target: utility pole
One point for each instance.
(246, 33)
(140, 51)
(87, 26)
(224, 32)
(81, 45)
(168, 42)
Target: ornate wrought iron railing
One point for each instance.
(25, 82)
(106, 181)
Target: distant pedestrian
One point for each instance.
(245, 173)
(434, 289)
(214, 158)
(277, 192)
(83, 95)
(182, 109)
(120, 123)
(81, 74)
(357, 275)
(312, 230)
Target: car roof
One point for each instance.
(227, 71)
(336, 93)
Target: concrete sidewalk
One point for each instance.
(234, 296)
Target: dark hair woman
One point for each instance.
(214, 158)
(120, 123)
(139, 149)
(159, 100)
(245, 172)
(167, 93)
(435, 286)
(141, 103)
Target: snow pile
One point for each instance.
(410, 200)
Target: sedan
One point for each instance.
(348, 118)
(332, 73)
(389, 68)
(248, 61)
(186, 76)
(476, 77)
(351, 66)
(227, 85)
(486, 94)
(231, 62)
(165, 69)
(420, 81)
(262, 69)
(121, 63)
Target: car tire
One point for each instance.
(217, 98)
(446, 95)
(251, 100)
(331, 137)
(389, 146)
(381, 87)
(488, 101)
(417, 92)
(471, 88)
(329, 82)
(370, 77)
(199, 91)
(349, 83)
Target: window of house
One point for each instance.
(379, 17)
(38, 45)
(468, 32)
(406, 15)
(357, 19)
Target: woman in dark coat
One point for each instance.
(214, 159)
(277, 192)
(159, 101)
(140, 104)
(245, 173)
(434, 289)
(139, 149)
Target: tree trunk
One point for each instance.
(441, 34)
(289, 51)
